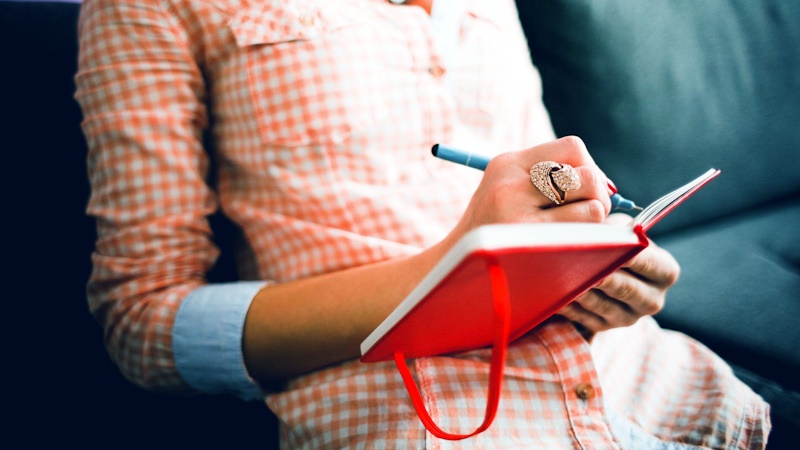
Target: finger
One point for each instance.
(640, 296)
(656, 265)
(566, 150)
(613, 312)
(593, 186)
(619, 219)
(591, 211)
(576, 313)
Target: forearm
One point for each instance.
(298, 326)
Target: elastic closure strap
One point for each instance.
(502, 318)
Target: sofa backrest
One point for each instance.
(66, 368)
(663, 90)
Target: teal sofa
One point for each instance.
(659, 90)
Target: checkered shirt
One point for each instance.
(322, 114)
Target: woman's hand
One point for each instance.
(506, 194)
(637, 289)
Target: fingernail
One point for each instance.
(612, 188)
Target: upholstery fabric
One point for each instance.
(663, 90)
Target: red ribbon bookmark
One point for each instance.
(502, 319)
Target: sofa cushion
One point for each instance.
(663, 90)
(739, 293)
(739, 290)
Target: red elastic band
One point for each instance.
(502, 315)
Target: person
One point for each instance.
(321, 116)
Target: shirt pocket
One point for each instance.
(308, 80)
(497, 72)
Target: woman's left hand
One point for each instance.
(637, 289)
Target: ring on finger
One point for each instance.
(555, 180)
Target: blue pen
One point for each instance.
(480, 162)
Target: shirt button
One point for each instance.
(307, 20)
(437, 70)
(584, 391)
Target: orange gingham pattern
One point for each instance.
(676, 391)
(324, 112)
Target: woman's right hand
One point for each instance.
(302, 325)
(506, 194)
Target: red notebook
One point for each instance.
(500, 281)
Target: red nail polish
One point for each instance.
(611, 187)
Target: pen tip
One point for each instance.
(435, 149)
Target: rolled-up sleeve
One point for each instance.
(143, 98)
(208, 339)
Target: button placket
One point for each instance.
(583, 396)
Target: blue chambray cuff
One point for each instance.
(207, 339)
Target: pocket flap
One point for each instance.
(293, 21)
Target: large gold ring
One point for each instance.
(555, 180)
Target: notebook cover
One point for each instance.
(457, 315)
